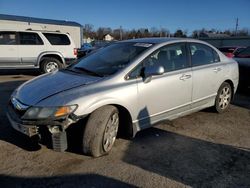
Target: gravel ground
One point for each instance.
(204, 149)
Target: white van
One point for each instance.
(46, 50)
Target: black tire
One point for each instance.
(223, 98)
(47, 61)
(101, 129)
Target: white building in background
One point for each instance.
(88, 40)
(74, 29)
(108, 37)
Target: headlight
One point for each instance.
(48, 112)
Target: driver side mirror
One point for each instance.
(150, 71)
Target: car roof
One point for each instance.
(38, 20)
(31, 31)
(159, 40)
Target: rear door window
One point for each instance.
(57, 39)
(27, 38)
(7, 38)
(202, 54)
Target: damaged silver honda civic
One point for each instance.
(122, 89)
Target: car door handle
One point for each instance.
(217, 69)
(185, 77)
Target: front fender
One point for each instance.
(107, 101)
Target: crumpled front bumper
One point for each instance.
(27, 129)
(31, 128)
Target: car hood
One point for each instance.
(44, 86)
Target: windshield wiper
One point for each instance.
(70, 69)
(88, 71)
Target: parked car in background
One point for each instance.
(229, 51)
(243, 59)
(92, 48)
(44, 50)
(84, 50)
(122, 89)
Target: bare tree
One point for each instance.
(88, 30)
(165, 32)
(116, 34)
(138, 34)
(132, 34)
(180, 33)
(154, 32)
(101, 31)
(243, 32)
(195, 34)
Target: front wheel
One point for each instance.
(100, 131)
(50, 64)
(223, 98)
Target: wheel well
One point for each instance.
(232, 86)
(125, 129)
(53, 56)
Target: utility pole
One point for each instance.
(236, 26)
(120, 32)
(160, 31)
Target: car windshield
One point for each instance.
(111, 59)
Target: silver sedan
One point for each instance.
(122, 89)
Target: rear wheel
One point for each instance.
(50, 64)
(223, 98)
(100, 131)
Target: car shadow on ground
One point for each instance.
(16, 73)
(7, 133)
(190, 161)
(74, 181)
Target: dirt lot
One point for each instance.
(200, 150)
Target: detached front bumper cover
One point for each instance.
(29, 130)
(31, 127)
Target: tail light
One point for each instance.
(75, 51)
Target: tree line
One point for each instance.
(123, 34)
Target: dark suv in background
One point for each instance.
(229, 51)
(243, 59)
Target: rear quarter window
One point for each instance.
(7, 38)
(57, 39)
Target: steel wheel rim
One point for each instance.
(110, 132)
(51, 66)
(224, 98)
